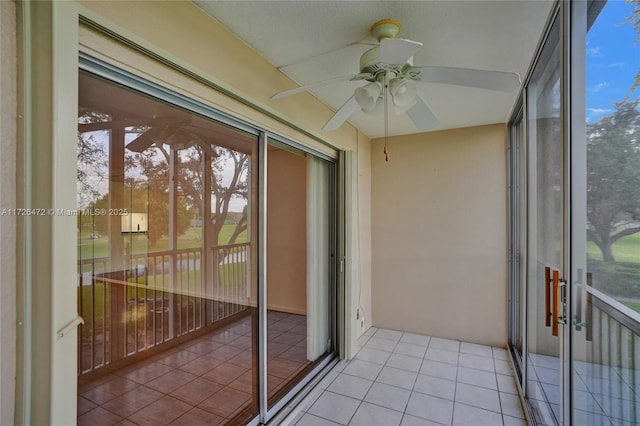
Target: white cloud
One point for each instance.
(594, 51)
(594, 114)
(599, 86)
(596, 111)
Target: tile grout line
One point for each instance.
(417, 375)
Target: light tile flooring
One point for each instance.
(399, 378)
(209, 380)
(603, 395)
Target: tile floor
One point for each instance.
(206, 381)
(604, 395)
(399, 378)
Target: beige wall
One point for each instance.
(286, 232)
(364, 233)
(8, 107)
(439, 228)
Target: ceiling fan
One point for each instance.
(170, 131)
(392, 78)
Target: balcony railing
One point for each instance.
(610, 365)
(156, 298)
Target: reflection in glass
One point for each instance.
(546, 229)
(166, 263)
(298, 266)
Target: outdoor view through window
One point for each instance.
(613, 152)
(166, 262)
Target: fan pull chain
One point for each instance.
(387, 157)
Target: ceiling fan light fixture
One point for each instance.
(403, 92)
(367, 95)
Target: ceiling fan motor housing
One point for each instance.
(385, 28)
(369, 61)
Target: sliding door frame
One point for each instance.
(572, 105)
(517, 323)
(117, 76)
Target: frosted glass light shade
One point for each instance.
(367, 96)
(403, 92)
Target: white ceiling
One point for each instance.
(316, 40)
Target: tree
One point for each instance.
(228, 176)
(92, 157)
(613, 178)
(223, 190)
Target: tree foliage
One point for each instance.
(223, 187)
(613, 178)
(147, 183)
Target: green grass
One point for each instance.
(626, 249)
(633, 305)
(192, 238)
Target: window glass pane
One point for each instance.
(545, 229)
(167, 262)
(606, 308)
(298, 266)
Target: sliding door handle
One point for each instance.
(71, 325)
(547, 296)
(588, 309)
(556, 302)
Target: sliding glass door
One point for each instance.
(581, 328)
(299, 285)
(518, 237)
(546, 233)
(166, 262)
(606, 219)
(179, 206)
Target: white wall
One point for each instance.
(8, 107)
(439, 225)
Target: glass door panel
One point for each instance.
(546, 233)
(518, 241)
(299, 223)
(606, 207)
(166, 263)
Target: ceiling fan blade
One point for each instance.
(342, 114)
(145, 140)
(353, 77)
(397, 51)
(482, 79)
(422, 116)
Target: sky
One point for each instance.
(613, 59)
